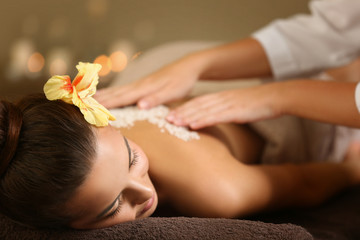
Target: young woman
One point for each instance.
(65, 167)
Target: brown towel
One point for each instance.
(165, 228)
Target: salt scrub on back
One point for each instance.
(125, 117)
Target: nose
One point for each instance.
(137, 191)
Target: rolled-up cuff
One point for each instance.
(357, 96)
(282, 62)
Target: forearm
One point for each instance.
(272, 187)
(302, 185)
(332, 102)
(242, 59)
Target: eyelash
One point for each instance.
(135, 158)
(133, 162)
(117, 210)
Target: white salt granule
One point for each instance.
(125, 118)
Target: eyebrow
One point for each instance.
(108, 208)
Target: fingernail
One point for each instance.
(143, 105)
(170, 117)
(178, 122)
(193, 125)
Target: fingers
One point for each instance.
(222, 116)
(209, 117)
(145, 96)
(202, 111)
(167, 84)
(181, 116)
(126, 95)
(109, 97)
(152, 100)
(116, 96)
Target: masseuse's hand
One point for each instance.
(239, 106)
(170, 83)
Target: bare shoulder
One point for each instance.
(225, 138)
(193, 174)
(164, 149)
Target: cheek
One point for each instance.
(120, 218)
(143, 160)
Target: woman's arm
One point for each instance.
(203, 178)
(244, 58)
(271, 187)
(241, 59)
(224, 187)
(332, 102)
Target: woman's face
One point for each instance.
(118, 188)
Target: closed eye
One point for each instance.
(135, 158)
(132, 161)
(116, 211)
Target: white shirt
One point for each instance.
(308, 44)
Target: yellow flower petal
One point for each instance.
(86, 80)
(59, 87)
(80, 93)
(94, 113)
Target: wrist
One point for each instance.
(280, 101)
(198, 63)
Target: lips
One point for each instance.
(148, 205)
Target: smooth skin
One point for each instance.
(175, 80)
(329, 101)
(215, 176)
(118, 181)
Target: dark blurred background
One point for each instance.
(40, 38)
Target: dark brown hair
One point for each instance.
(46, 150)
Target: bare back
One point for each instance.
(187, 173)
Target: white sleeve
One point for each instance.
(357, 96)
(307, 44)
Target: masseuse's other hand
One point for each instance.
(239, 106)
(170, 83)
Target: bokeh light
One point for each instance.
(20, 52)
(58, 67)
(35, 62)
(124, 45)
(119, 61)
(59, 61)
(105, 62)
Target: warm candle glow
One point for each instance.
(118, 60)
(59, 60)
(105, 62)
(36, 62)
(58, 67)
